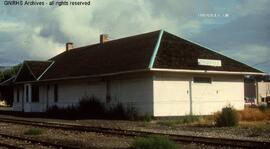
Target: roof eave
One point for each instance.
(86, 76)
(207, 71)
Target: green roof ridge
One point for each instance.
(156, 49)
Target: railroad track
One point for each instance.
(25, 143)
(134, 133)
(10, 146)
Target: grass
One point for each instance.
(33, 131)
(154, 142)
(265, 125)
(188, 119)
(257, 128)
(254, 114)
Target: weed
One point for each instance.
(154, 142)
(33, 131)
(147, 117)
(187, 119)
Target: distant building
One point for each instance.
(156, 73)
(257, 89)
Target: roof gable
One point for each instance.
(32, 70)
(38, 67)
(177, 53)
(24, 74)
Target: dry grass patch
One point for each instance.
(254, 114)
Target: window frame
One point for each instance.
(202, 80)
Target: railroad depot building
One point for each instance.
(156, 73)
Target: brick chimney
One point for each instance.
(104, 38)
(69, 46)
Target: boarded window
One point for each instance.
(55, 93)
(202, 80)
(35, 94)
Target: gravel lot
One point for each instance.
(87, 139)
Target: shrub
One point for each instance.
(131, 113)
(63, 111)
(33, 131)
(116, 112)
(227, 117)
(91, 106)
(53, 109)
(120, 112)
(154, 142)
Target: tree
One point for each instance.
(1, 76)
(8, 73)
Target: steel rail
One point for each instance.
(10, 146)
(33, 141)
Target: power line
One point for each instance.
(260, 63)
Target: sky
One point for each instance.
(238, 29)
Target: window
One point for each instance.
(18, 94)
(108, 92)
(35, 93)
(47, 91)
(55, 93)
(202, 80)
(27, 92)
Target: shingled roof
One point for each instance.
(144, 52)
(177, 53)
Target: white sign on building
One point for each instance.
(209, 62)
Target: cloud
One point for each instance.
(41, 32)
(245, 38)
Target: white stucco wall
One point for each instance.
(135, 91)
(161, 94)
(69, 93)
(224, 90)
(130, 90)
(172, 94)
